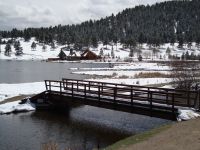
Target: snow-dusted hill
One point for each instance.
(119, 51)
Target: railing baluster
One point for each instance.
(131, 96)
(46, 85)
(66, 85)
(85, 91)
(151, 98)
(89, 85)
(99, 93)
(167, 97)
(60, 87)
(72, 89)
(50, 85)
(77, 86)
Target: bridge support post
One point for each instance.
(151, 98)
(167, 97)
(188, 98)
(114, 94)
(131, 96)
(173, 103)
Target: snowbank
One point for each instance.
(186, 114)
(11, 90)
(16, 107)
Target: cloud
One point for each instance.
(37, 13)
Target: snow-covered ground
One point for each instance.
(11, 90)
(16, 107)
(128, 73)
(119, 52)
(187, 114)
(140, 81)
(147, 66)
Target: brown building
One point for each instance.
(89, 55)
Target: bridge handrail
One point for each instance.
(128, 85)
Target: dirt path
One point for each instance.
(16, 98)
(180, 136)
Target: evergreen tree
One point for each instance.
(132, 45)
(94, 42)
(7, 49)
(53, 46)
(140, 58)
(33, 46)
(18, 48)
(187, 56)
(168, 51)
(27, 35)
(44, 48)
(62, 55)
(183, 56)
(101, 52)
(180, 41)
(105, 42)
(112, 53)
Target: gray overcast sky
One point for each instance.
(37, 13)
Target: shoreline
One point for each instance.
(138, 138)
(175, 136)
(15, 98)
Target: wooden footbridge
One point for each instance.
(151, 101)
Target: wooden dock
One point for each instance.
(151, 101)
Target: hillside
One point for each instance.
(120, 52)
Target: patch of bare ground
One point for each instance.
(180, 136)
(152, 75)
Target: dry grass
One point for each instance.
(152, 75)
(49, 146)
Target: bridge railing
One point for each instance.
(125, 94)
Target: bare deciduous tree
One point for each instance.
(185, 74)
